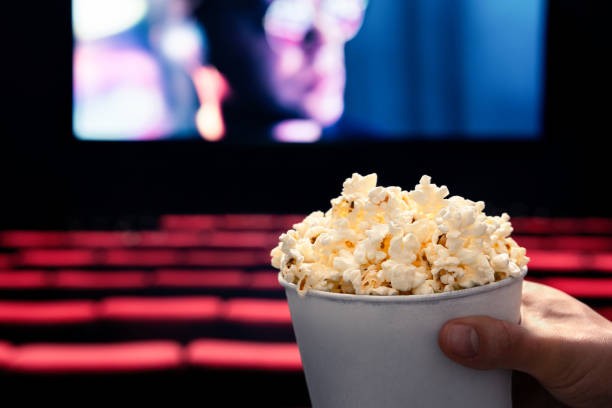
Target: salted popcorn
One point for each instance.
(386, 241)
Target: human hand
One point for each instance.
(561, 342)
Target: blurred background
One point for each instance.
(153, 150)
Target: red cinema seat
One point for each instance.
(6, 351)
(222, 279)
(99, 239)
(605, 311)
(559, 261)
(96, 358)
(531, 242)
(189, 222)
(264, 280)
(47, 312)
(290, 220)
(200, 308)
(171, 239)
(531, 225)
(213, 258)
(239, 239)
(127, 257)
(581, 287)
(242, 355)
(257, 311)
(578, 243)
(597, 225)
(602, 262)
(23, 279)
(57, 257)
(5, 261)
(567, 226)
(570, 243)
(253, 222)
(72, 279)
(24, 239)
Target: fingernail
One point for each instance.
(462, 340)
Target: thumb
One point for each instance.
(484, 343)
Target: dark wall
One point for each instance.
(50, 179)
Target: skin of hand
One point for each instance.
(560, 343)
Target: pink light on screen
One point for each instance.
(297, 131)
(118, 93)
(211, 88)
(100, 67)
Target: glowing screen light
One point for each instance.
(297, 131)
(181, 42)
(211, 88)
(289, 19)
(117, 94)
(124, 113)
(142, 69)
(94, 19)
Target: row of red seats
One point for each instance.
(522, 225)
(222, 279)
(5, 260)
(205, 308)
(585, 288)
(246, 231)
(546, 260)
(151, 355)
(158, 309)
(572, 243)
(568, 226)
(45, 258)
(228, 279)
(162, 278)
(138, 239)
(234, 239)
(569, 261)
(260, 222)
(148, 356)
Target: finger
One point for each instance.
(483, 343)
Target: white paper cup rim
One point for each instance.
(433, 297)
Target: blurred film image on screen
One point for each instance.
(258, 71)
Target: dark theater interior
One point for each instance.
(153, 151)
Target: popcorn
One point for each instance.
(384, 241)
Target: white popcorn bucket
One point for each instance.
(382, 351)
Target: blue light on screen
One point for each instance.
(439, 68)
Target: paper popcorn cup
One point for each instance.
(382, 351)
